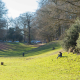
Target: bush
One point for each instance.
(71, 36)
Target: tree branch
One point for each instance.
(72, 4)
(78, 13)
(66, 20)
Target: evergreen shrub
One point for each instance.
(71, 36)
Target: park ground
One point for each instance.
(39, 62)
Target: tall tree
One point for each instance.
(25, 20)
(3, 12)
(10, 34)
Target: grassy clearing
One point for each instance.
(41, 66)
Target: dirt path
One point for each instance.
(38, 45)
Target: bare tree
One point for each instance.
(25, 20)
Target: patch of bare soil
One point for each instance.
(38, 45)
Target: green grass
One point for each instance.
(16, 49)
(41, 66)
(44, 49)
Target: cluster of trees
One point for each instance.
(19, 28)
(14, 34)
(50, 21)
(55, 16)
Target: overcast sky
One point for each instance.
(17, 7)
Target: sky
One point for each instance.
(17, 7)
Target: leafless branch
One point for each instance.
(78, 13)
(72, 4)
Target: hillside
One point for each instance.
(41, 65)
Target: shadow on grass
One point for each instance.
(64, 56)
(4, 65)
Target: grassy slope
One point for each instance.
(42, 66)
(16, 49)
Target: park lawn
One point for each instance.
(41, 67)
